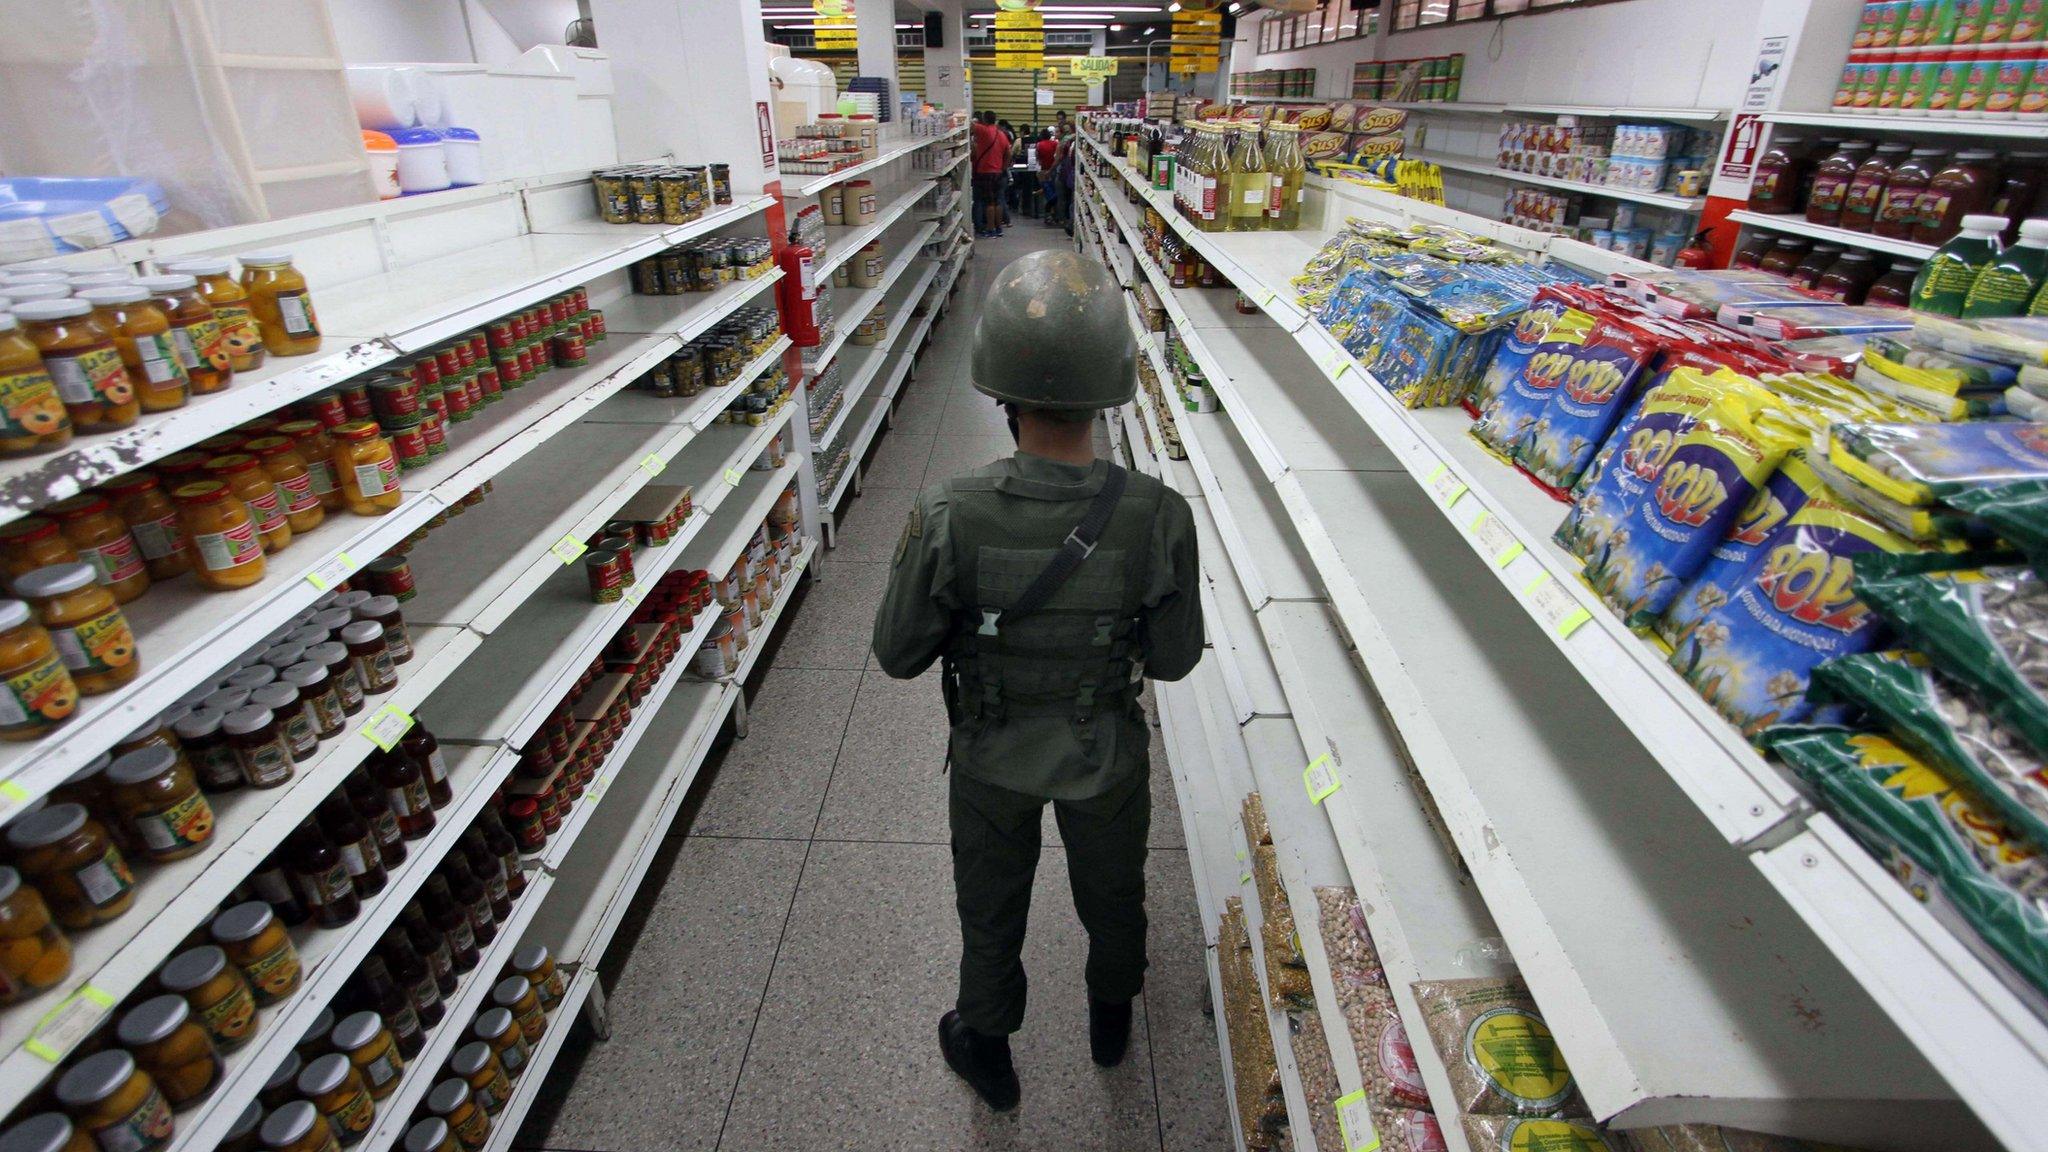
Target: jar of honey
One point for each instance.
(240, 336)
(337, 1090)
(155, 793)
(34, 953)
(91, 634)
(36, 690)
(195, 332)
(244, 476)
(226, 551)
(33, 420)
(279, 300)
(367, 468)
(143, 505)
(117, 1102)
(287, 468)
(79, 353)
(299, 1127)
(255, 942)
(46, 1132)
(102, 539)
(142, 334)
(217, 993)
(172, 1048)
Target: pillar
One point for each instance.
(945, 68)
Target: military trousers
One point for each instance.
(995, 857)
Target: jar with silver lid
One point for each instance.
(294, 716)
(429, 1135)
(42, 1132)
(295, 1126)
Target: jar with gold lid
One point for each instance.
(217, 992)
(173, 1048)
(110, 1097)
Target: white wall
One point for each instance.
(394, 31)
(1642, 53)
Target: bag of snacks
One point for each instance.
(1984, 627)
(1547, 311)
(1507, 416)
(1638, 451)
(1407, 1130)
(1499, 1053)
(1941, 721)
(1753, 533)
(1538, 1134)
(2017, 512)
(1934, 832)
(1595, 390)
(1919, 465)
(1713, 1138)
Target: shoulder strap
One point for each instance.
(1078, 546)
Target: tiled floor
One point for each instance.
(794, 949)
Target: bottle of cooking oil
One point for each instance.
(1251, 182)
(1211, 196)
(1283, 154)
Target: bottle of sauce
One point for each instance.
(370, 804)
(240, 337)
(2019, 187)
(36, 691)
(1945, 281)
(452, 921)
(280, 303)
(1963, 187)
(33, 420)
(469, 893)
(1815, 265)
(1848, 279)
(410, 970)
(405, 790)
(501, 843)
(489, 868)
(353, 839)
(425, 751)
(1898, 214)
(195, 331)
(1780, 177)
(321, 876)
(432, 945)
(1831, 179)
(1866, 189)
(1784, 257)
(143, 505)
(227, 552)
(102, 540)
(79, 354)
(2012, 280)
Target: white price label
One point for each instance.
(1496, 540)
(1320, 777)
(652, 464)
(1446, 484)
(1336, 364)
(57, 1033)
(567, 549)
(330, 574)
(388, 726)
(1555, 606)
(1354, 1117)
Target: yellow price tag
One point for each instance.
(1446, 484)
(1556, 607)
(1336, 364)
(1496, 540)
(333, 572)
(61, 1029)
(652, 464)
(1245, 878)
(732, 477)
(1320, 777)
(568, 548)
(12, 796)
(388, 726)
(1354, 1119)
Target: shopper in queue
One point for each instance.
(1049, 585)
(991, 153)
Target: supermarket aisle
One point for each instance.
(786, 982)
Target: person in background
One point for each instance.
(1049, 585)
(1065, 163)
(990, 151)
(1032, 179)
(1003, 176)
(1045, 156)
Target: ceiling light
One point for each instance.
(1116, 27)
(1150, 31)
(1236, 8)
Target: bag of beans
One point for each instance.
(1500, 1055)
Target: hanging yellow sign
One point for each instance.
(836, 34)
(1092, 67)
(833, 8)
(1020, 40)
(1197, 44)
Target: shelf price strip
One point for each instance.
(652, 464)
(1447, 485)
(334, 571)
(1496, 540)
(1320, 777)
(567, 549)
(12, 797)
(1555, 606)
(1354, 1118)
(69, 1023)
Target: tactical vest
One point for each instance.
(1079, 655)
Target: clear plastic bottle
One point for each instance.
(1290, 171)
(1251, 182)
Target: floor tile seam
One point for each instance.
(761, 1005)
(832, 773)
(1152, 1062)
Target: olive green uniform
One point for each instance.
(1045, 707)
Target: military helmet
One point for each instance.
(1053, 334)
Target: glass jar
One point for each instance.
(313, 1042)
(240, 337)
(370, 656)
(172, 1048)
(286, 468)
(46, 1132)
(369, 1046)
(1849, 278)
(246, 1133)
(1814, 264)
(210, 751)
(227, 551)
(216, 992)
(109, 1097)
(155, 793)
(256, 943)
(455, 1105)
(515, 993)
(280, 303)
(420, 746)
(1895, 288)
(1784, 257)
(86, 625)
(257, 736)
(320, 694)
(1899, 213)
(497, 1028)
(429, 1135)
(348, 686)
(34, 953)
(298, 1126)
(1290, 171)
(1963, 187)
(1865, 195)
(336, 1089)
(383, 611)
(142, 334)
(70, 859)
(1831, 180)
(533, 961)
(79, 354)
(30, 543)
(405, 790)
(32, 421)
(321, 875)
(195, 332)
(140, 501)
(244, 476)
(317, 450)
(367, 469)
(1780, 175)
(101, 539)
(39, 693)
(301, 737)
(478, 1065)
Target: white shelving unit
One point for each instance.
(1920, 125)
(1482, 167)
(1798, 226)
(887, 154)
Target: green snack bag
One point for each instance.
(1981, 627)
(1946, 725)
(2018, 512)
(1933, 832)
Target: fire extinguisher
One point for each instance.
(797, 294)
(1695, 254)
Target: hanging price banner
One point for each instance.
(1020, 40)
(1197, 44)
(837, 34)
(1092, 67)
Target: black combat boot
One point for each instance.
(1109, 1031)
(982, 1061)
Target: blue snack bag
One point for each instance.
(1508, 418)
(1548, 307)
(1634, 456)
(1756, 531)
(1597, 387)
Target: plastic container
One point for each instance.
(422, 160)
(1947, 278)
(2006, 288)
(465, 155)
(383, 152)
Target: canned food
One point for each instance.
(396, 401)
(609, 574)
(410, 445)
(355, 401)
(391, 576)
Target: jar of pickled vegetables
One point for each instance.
(32, 419)
(367, 468)
(286, 467)
(142, 334)
(226, 551)
(68, 857)
(34, 952)
(279, 300)
(36, 690)
(154, 791)
(79, 353)
(240, 336)
(85, 623)
(172, 1048)
(101, 538)
(109, 1096)
(370, 1047)
(195, 332)
(217, 993)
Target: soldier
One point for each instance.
(1049, 584)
